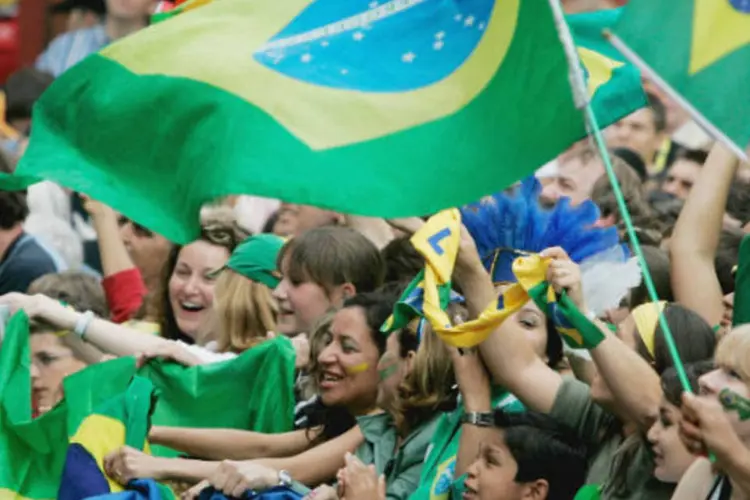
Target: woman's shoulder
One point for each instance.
(697, 481)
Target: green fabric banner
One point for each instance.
(329, 104)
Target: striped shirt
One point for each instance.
(70, 48)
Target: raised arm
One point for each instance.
(634, 384)
(232, 444)
(696, 237)
(106, 336)
(508, 356)
(474, 384)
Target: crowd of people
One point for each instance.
(401, 414)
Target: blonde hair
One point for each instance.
(428, 385)
(244, 312)
(733, 352)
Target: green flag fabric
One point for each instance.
(33, 451)
(329, 103)
(702, 49)
(231, 394)
(254, 391)
(120, 421)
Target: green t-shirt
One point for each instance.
(437, 481)
(597, 428)
(402, 467)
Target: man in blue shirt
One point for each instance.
(22, 257)
(122, 18)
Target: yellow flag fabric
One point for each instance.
(438, 242)
(702, 52)
(720, 27)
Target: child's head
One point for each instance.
(529, 456)
(321, 269)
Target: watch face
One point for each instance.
(284, 478)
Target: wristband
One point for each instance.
(480, 419)
(82, 323)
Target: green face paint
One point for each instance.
(732, 401)
(386, 373)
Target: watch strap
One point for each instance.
(480, 419)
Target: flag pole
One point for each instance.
(578, 87)
(696, 115)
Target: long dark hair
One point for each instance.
(334, 421)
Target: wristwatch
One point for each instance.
(480, 419)
(286, 481)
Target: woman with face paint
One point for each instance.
(716, 424)
(671, 457)
(346, 374)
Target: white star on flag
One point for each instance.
(344, 71)
(306, 58)
(481, 26)
(373, 5)
(457, 17)
(438, 45)
(469, 21)
(358, 36)
(324, 43)
(440, 35)
(408, 57)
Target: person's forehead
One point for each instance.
(349, 321)
(49, 342)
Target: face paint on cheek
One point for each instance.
(732, 401)
(353, 370)
(388, 372)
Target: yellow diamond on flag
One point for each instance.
(720, 27)
(599, 67)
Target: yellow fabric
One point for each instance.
(646, 318)
(438, 241)
(108, 434)
(6, 494)
(718, 30)
(599, 67)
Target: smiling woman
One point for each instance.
(187, 291)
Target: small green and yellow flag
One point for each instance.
(702, 49)
(428, 295)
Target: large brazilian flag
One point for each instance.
(372, 107)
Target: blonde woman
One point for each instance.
(243, 312)
(717, 423)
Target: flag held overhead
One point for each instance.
(333, 103)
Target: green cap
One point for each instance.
(255, 258)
